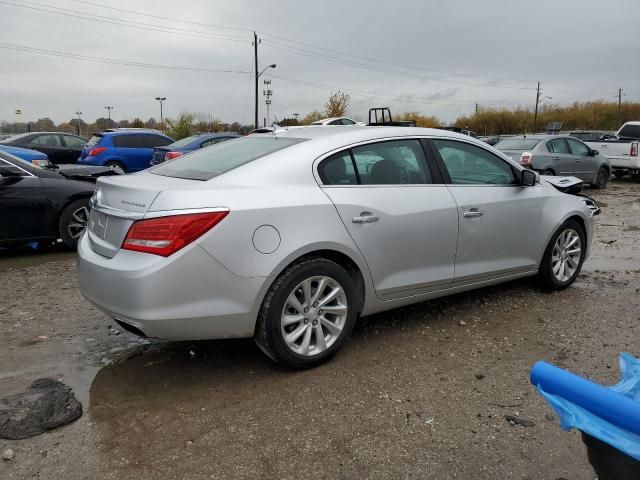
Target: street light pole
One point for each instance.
(273, 65)
(109, 108)
(78, 113)
(161, 99)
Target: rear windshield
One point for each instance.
(517, 143)
(184, 142)
(94, 140)
(630, 131)
(210, 162)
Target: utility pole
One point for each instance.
(535, 115)
(109, 108)
(267, 93)
(476, 109)
(296, 115)
(255, 55)
(619, 107)
(78, 113)
(161, 99)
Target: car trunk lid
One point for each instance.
(118, 202)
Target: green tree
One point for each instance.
(181, 127)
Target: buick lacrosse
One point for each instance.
(289, 237)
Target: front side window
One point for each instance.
(578, 148)
(346, 121)
(469, 164)
(9, 167)
(559, 145)
(73, 142)
(207, 163)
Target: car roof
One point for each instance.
(130, 131)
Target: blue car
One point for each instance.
(32, 156)
(123, 149)
(189, 144)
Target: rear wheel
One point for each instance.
(73, 222)
(602, 178)
(563, 257)
(549, 172)
(117, 166)
(308, 313)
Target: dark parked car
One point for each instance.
(42, 204)
(59, 147)
(123, 149)
(189, 144)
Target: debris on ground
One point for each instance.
(45, 405)
(8, 454)
(512, 419)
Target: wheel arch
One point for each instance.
(582, 221)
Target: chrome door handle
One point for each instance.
(365, 217)
(472, 213)
(556, 158)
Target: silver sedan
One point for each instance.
(290, 237)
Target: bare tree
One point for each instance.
(337, 104)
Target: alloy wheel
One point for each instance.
(314, 315)
(565, 257)
(78, 222)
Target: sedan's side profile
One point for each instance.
(288, 238)
(558, 155)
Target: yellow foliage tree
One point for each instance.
(337, 105)
(421, 120)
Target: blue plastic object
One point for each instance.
(611, 414)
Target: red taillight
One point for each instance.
(634, 150)
(525, 158)
(96, 151)
(166, 235)
(172, 155)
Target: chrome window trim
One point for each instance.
(18, 167)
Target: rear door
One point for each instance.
(499, 220)
(132, 148)
(400, 215)
(585, 164)
(563, 160)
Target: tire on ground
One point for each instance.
(268, 333)
(68, 219)
(546, 278)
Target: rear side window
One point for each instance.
(73, 142)
(207, 163)
(396, 162)
(469, 164)
(46, 141)
(129, 141)
(559, 145)
(517, 143)
(152, 141)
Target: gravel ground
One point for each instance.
(419, 392)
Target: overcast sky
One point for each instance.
(435, 57)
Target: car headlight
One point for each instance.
(591, 205)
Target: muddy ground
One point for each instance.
(419, 392)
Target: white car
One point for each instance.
(337, 121)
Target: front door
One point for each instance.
(499, 219)
(584, 164)
(403, 222)
(563, 160)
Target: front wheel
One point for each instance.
(73, 222)
(602, 178)
(308, 313)
(563, 257)
(116, 166)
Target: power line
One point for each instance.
(116, 61)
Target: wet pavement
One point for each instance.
(418, 392)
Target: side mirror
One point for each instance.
(528, 178)
(593, 153)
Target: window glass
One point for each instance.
(129, 141)
(631, 131)
(517, 143)
(338, 170)
(559, 145)
(336, 122)
(208, 163)
(578, 148)
(94, 141)
(12, 168)
(73, 142)
(470, 164)
(46, 141)
(395, 162)
(152, 141)
(346, 121)
(184, 142)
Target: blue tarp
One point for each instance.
(611, 414)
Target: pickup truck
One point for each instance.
(622, 150)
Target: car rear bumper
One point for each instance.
(187, 296)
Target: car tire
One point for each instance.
(73, 222)
(552, 273)
(549, 172)
(602, 178)
(306, 336)
(115, 165)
